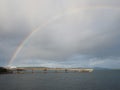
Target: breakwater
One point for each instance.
(46, 69)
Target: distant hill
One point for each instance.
(97, 68)
(101, 68)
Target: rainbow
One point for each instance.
(52, 20)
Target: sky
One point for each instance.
(60, 33)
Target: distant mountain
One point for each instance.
(100, 68)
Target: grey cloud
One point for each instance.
(92, 32)
(95, 36)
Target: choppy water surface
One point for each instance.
(97, 80)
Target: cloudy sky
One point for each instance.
(60, 33)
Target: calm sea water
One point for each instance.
(97, 80)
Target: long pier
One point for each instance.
(33, 69)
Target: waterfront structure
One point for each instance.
(56, 69)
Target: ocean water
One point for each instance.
(97, 80)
